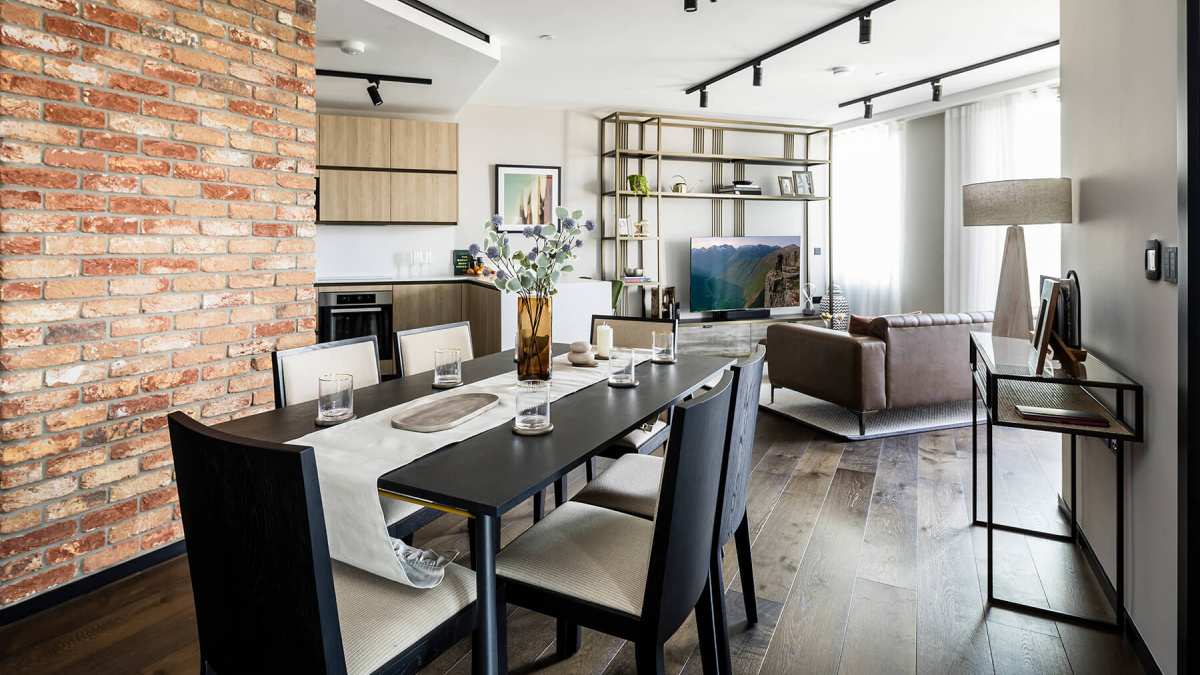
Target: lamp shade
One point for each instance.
(1035, 201)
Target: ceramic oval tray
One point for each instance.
(444, 413)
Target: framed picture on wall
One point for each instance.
(527, 195)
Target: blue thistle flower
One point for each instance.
(533, 252)
(493, 252)
(497, 221)
(473, 249)
(589, 225)
(501, 274)
(505, 241)
(569, 223)
(578, 243)
(566, 248)
(530, 231)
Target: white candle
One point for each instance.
(603, 340)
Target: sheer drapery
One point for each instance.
(868, 223)
(1010, 137)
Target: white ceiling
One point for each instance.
(641, 55)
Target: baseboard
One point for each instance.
(89, 583)
(1140, 648)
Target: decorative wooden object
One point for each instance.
(1012, 297)
(1068, 357)
(445, 413)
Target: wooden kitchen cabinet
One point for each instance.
(423, 305)
(424, 146)
(354, 141)
(424, 198)
(481, 306)
(354, 196)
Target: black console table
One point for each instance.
(1002, 380)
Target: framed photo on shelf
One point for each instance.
(527, 195)
(786, 187)
(1047, 305)
(623, 227)
(803, 182)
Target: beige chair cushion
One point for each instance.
(395, 510)
(381, 618)
(585, 552)
(299, 373)
(633, 334)
(416, 350)
(638, 437)
(630, 485)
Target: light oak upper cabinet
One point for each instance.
(427, 146)
(425, 198)
(355, 142)
(355, 196)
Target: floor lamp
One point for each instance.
(1015, 203)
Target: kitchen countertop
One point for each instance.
(390, 281)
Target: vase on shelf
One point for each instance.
(534, 320)
(840, 309)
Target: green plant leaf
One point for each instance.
(568, 268)
(549, 231)
(575, 232)
(554, 277)
(505, 251)
(554, 292)
(526, 283)
(519, 255)
(542, 259)
(561, 212)
(577, 214)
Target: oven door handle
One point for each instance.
(356, 310)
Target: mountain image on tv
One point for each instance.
(745, 272)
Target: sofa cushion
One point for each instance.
(860, 325)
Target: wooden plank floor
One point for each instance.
(864, 560)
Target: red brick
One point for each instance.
(113, 349)
(169, 226)
(138, 525)
(37, 583)
(110, 101)
(107, 516)
(107, 267)
(109, 142)
(74, 29)
(166, 71)
(15, 129)
(20, 475)
(170, 303)
(139, 285)
(111, 307)
(110, 17)
(13, 500)
(227, 405)
(12, 546)
(140, 325)
(140, 444)
(162, 536)
(111, 58)
(137, 406)
(169, 265)
(23, 38)
(139, 205)
(153, 167)
(140, 45)
(38, 312)
(142, 484)
(170, 149)
(75, 462)
(75, 245)
(61, 201)
(44, 178)
(148, 364)
(108, 183)
(20, 567)
(109, 556)
(109, 473)
(73, 549)
(20, 521)
(199, 172)
(73, 419)
(110, 389)
(76, 332)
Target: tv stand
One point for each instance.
(723, 336)
(741, 314)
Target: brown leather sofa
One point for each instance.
(905, 360)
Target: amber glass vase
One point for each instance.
(533, 338)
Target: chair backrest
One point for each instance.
(298, 370)
(633, 331)
(257, 552)
(414, 348)
(685, 524)
(739, 441)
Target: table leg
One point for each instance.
(990, 516)
(486, 657)
(560, 491)
(1074, 492)
(974, 454)
(1120, 608)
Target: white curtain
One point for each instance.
(1006, 138)
(868, 221)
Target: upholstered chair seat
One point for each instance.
(639, 437)
(630, 485)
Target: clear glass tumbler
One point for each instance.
(620, 366)
(335, 397)
(664, 346)
(533, 405)
(447, 367)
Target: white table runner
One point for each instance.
(352, 456)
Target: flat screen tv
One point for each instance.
(732, 273)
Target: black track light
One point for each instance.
(864, 29)
(703, 98)
(868, 110)
(373, 92)
(689, 5)
(758, 74)
(937, 90)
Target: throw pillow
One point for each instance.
(860, 324)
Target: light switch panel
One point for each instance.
(1171, 264)
(1151, 260)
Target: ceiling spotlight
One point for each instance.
(758, 74)
(703, 98)
(937, 90)
(352, 47)
(689, 5)
(868, 110)
(864, 29)
(841, 71)
(373, 92)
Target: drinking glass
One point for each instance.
(447, 367)
(533, 404)
(664, 346)
(335, 397)
(620, 366)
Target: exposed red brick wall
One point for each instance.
(156, 176)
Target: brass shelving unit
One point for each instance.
(633, 143)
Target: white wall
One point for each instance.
(487, 135)
(924, 214)
(1119, 147)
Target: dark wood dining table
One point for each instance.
(490, 473)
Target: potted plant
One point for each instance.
(534, 276)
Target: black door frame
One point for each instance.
(1189, 341)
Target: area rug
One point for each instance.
(837, 421)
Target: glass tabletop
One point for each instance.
(1009, 358)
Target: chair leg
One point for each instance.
(471, 539)
(649, 657)
(570, 638)
(741, 540)
(560, 491)
(706, 631)
(408, 538)
(720, 617)
(590, 469)
(539, 506)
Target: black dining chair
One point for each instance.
(268, 597)
(624, 575)
(296, 372)
(631, 485)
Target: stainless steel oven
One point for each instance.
(351, 314)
